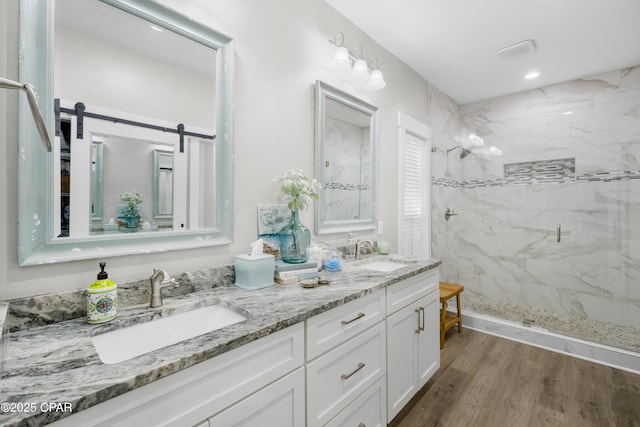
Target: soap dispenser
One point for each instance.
(351, 246)
(102, 298)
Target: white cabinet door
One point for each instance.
(402, 358)
(429, 338)
(279, 404)
(413, 351)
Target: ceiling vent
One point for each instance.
(518, 49)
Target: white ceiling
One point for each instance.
(453, 43)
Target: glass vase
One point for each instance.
(295, 240)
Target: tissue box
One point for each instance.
(254, 271)
(109, 228)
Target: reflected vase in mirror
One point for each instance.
(131, 222)
(295, 240)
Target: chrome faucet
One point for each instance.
(159, 279)
(364, 244)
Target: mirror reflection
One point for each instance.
(346, 137)
(134, 93)
(136, 71)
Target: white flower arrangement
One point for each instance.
(133, 199)
(298, 190)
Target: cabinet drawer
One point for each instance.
(336, 378)
(367, 410)
(405, 292)
(333, 327)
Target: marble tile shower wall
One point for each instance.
(503, 244)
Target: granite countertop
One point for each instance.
(58, 363)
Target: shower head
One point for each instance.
(465, 152)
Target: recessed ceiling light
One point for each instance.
(158, 29)
(531, 75)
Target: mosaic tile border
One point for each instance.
(344, 186)
(543, 171)
(539, 172)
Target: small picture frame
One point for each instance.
(271, 219)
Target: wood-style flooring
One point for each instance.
(484, 380)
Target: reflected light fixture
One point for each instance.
(360, 70)
(33, 105)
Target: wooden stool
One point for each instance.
(447, 291)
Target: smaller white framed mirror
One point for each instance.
(346, 135)
(162, 184)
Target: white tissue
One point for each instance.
(256, 247)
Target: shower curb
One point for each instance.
(540, 337)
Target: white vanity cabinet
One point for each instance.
(413, 352)
(253, 376)
(346, 363)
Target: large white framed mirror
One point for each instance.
(123, 83)
(346, 135)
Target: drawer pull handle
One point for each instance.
(359, 316)
(418, 328)
(347, 376)
(422, 315)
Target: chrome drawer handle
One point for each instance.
(422, 313)
(418, 329)
(347, 376)
(359, 316)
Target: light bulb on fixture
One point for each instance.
(341, 55)
(376, 79)
(360, 69)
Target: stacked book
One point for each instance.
(288, 274)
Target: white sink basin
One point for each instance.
(126, 343)
(383, 266)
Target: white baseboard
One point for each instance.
(539, 337)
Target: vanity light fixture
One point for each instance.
(33, 105)
(361, 70)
